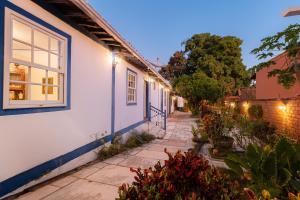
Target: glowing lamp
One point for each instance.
(115, 59)
(282, 108)
(246, 105)
(232, 104)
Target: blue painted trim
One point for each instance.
(13, 183)
(113, 99)
(161, 99)
(127, 129)
(19, 180)
(3, 4)
(136, 80)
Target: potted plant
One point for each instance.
(214, 126)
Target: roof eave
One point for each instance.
(91, 12)
(291, 12)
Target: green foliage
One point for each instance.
(256, 111)
(199, 135)
(135, 140)
(182, 177)
(264, 131)
(213, 125)
(175, 67)
(275, 169)
(287, 41)
(196, 88)
(219, 58)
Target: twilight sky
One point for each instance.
(156, 28)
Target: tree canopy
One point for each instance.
(286, 41)
(198, 87)
(175, 67)
(219, 58)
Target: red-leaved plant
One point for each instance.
(183, 176)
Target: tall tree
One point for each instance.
(286, 41)
(175, 67)
(196, 88)
(219, 58)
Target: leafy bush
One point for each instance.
(276, 170)
(135, 140)
(263, 131)
(255, 111)
(184, 176)
(213, 125)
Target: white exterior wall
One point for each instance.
(128, 114)
(32, 139)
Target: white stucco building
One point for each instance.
(68, 84)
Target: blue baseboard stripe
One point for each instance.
(125, 130)
(23, 178)
(9, 185)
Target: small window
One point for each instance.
(131, 87)
(35, 65)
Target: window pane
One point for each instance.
(40, 57)
(18, 72)
(53, 93)
(55, 46)
(53, 78)
(38, 75)
(21, 51)
(21, 32)
(36, 92)
(18, 91)
(41, 40)
(54, 61)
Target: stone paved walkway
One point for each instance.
(101, 180)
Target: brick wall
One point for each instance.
(284, 114)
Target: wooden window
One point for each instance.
(35, 64)
(131, 87)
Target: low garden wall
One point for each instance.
(283, 113)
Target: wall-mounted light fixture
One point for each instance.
(232, 105)
(282, 108)
(246, 105)
(115, 59)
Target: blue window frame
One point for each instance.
(131, 87)
(8, 6)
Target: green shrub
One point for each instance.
(255, 111)
(135, 140)
(275, 169)
(213, 125)
(264, 131)
(182, 177)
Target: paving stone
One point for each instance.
(62, 182)
(99, 165)
(136, 162)
(39, 193)
(82, 173)
(133, 151)
(114, 160)
(153, 154)
(113, 175)
(161, 148)
(85, 190)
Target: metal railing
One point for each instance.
(158, 113)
